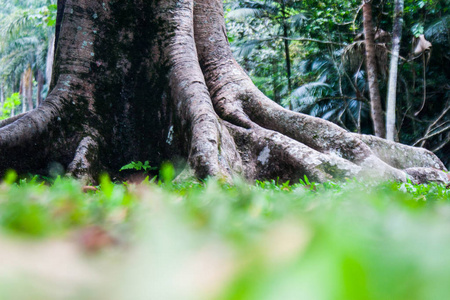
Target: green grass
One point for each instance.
(351, 240)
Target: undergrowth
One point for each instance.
(268, 240)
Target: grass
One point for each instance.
(351, 240)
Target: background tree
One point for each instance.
(393, 70)
(25, 32)
(371, 69)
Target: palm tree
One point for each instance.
(24, 40)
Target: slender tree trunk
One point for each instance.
(40, 85)
(28, 89)
(156, 80)
(372, 73)
(22, 92)
(2, 95)
(286, 50)
(393, 70)
(276, 96)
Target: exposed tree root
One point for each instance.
(37, 138)
(85, 162)
(189, 91)
(401, 156)
(11, 120)
(269, 154)
(292, 143)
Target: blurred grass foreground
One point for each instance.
(210, 240)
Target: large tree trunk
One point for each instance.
(371, 69)
(393, 70)
(156, 80)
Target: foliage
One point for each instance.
(26, 28)
(31, 208)
(351, 240)
(139, 165)
(9, 105)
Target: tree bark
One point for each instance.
(393, 70)
(28, 85)
(22, 93)
(2, 96)
(286, 49)
(156, 80)
(371, 68)
(276, 96)
(40, 86)
(49, 60)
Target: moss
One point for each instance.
(333, 170)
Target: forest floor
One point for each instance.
(210, 240)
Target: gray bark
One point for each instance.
(393, 70)
(49, 60)
(40, 85)
(2, 96)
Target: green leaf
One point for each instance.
(167, 172)
(130, 166)
(10, 177)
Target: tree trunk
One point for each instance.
(23, 91)
(49, 60)
(156, 80)
(286, 50)
(276, 95)
(40, 86)
(371, 68)
(2, 96)
(28, 89)
(393, 70)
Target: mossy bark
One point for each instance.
(156, 80)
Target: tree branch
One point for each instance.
(447, 140)
(431, 135)
(299, 39)
(345, 98)
(430, 128)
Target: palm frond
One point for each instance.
(353, 54)
(243, 13)
(298, 20)
(439, 30)
(246, 48)
(307, 95)
(18, 22)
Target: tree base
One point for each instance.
(175, 90)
